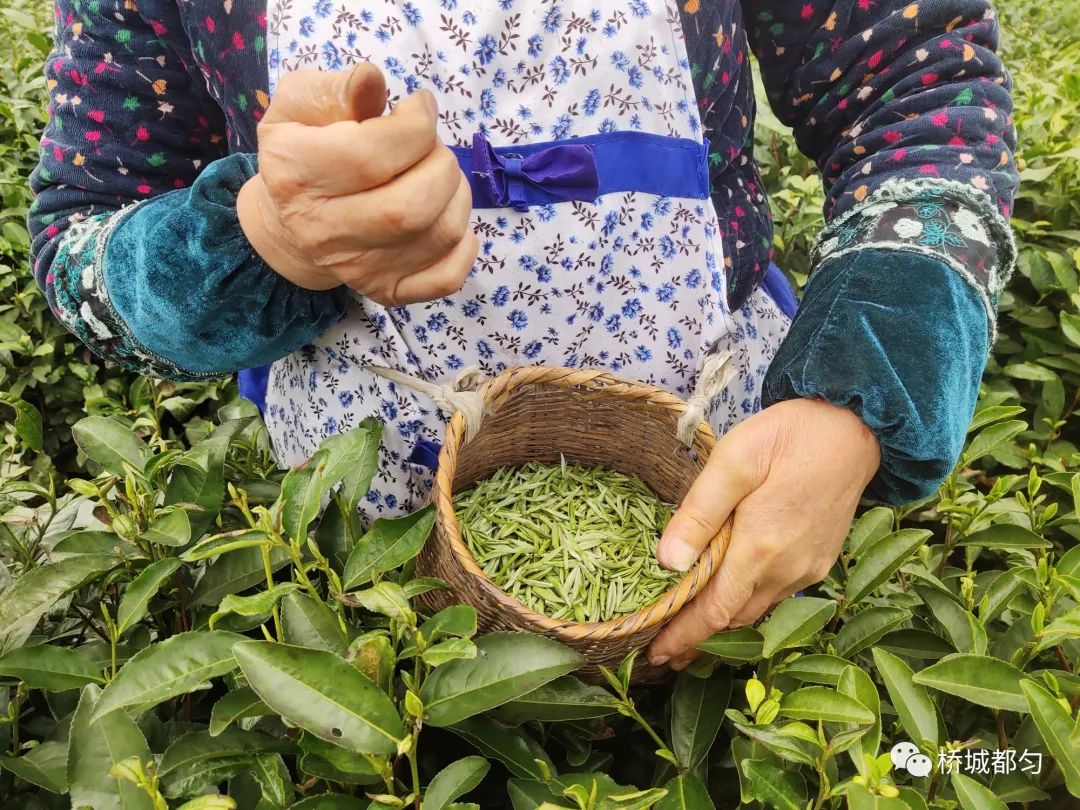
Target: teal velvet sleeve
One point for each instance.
(182, 277)
(901, 339)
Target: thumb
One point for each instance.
(731, 473)
(319, 98)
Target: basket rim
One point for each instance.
(496, 392)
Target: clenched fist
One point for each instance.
(346, 195)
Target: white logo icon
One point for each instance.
(906, 757)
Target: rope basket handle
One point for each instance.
(464, 396)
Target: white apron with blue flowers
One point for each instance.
(617, 273)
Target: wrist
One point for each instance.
(262, 228)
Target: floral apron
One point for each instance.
(576, 122)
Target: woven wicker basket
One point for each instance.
(537, 413)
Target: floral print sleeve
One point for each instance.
(906, 108)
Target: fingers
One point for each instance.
(318, 98)
(407, 206)
(347, 157)
(711, 610)
(440, 280)
(732, 472)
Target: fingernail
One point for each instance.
(679, 666)
(659, 660)
(677, 555)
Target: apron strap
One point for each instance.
(460, 395)
(717, 371)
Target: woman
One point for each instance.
(561, 182)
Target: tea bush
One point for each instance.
(181, 626)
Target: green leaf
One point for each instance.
(979, 679)
(859, 798)
(331, 801)
(198, 760)
(388, 599)
(456, 620)
(961, 627)
(822, 703)
(44, 765)
(274, 778)
(322, 694)
(993, 437)
(916, 643)
(857, 684)
(236, 705)
(917, 712)
(233, 573)
(867, 627)
(1029, 371)
(1059, 732)
(513, 747)
(200, 480)
(785, 746)
(744, 645)
(110, 444)
(257, 604)
(176, 666)
(1005, 535)
(685, 792)
(794, 622)
(40, 588)
(94, 748)
(52, 669)
(880, 560)
(998, 595)
(974, 796)
(871, 526)
(816, 668)
(172, 529)
(454, 781)
(779, 789)
(358, 453)
(508, 665)
(307, 622)
(218, 544)
(336, 764)
(452, 649)
(530, 794)
(138, 594)
(565, 698)
(389, 542)
(301, 496)
(697, 710)
(27, 420)
(994, 413)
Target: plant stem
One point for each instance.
(270, 584)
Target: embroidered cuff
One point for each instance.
(170, 287)
(83, 305)
(942, 219)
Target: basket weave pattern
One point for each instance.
(593, 418)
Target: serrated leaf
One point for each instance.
(1005, 535)
(917, 712)
(507, 666)
(821, 703)
(39, 589)
(307, 622)
(1059, 731)
(974, 796)
(779, 789)
(744, 644)
(867, 627)
(685, 792)
(697, 710)
(94, 748)
(256, 604)
(176, 666)
(993, 437)
(52, 669)
(27, 420)
(142, 589)
(389, 543)
(454, 781)
(513, 747)
(565, 698)
(322, 694)
(880, 560)
(110, 444)
(302, 491)
(236, 705)
(794, 622)
(979, 679)
(44, 765)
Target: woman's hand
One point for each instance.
(792, 475)
(345, 195)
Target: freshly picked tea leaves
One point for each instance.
(568, 541)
